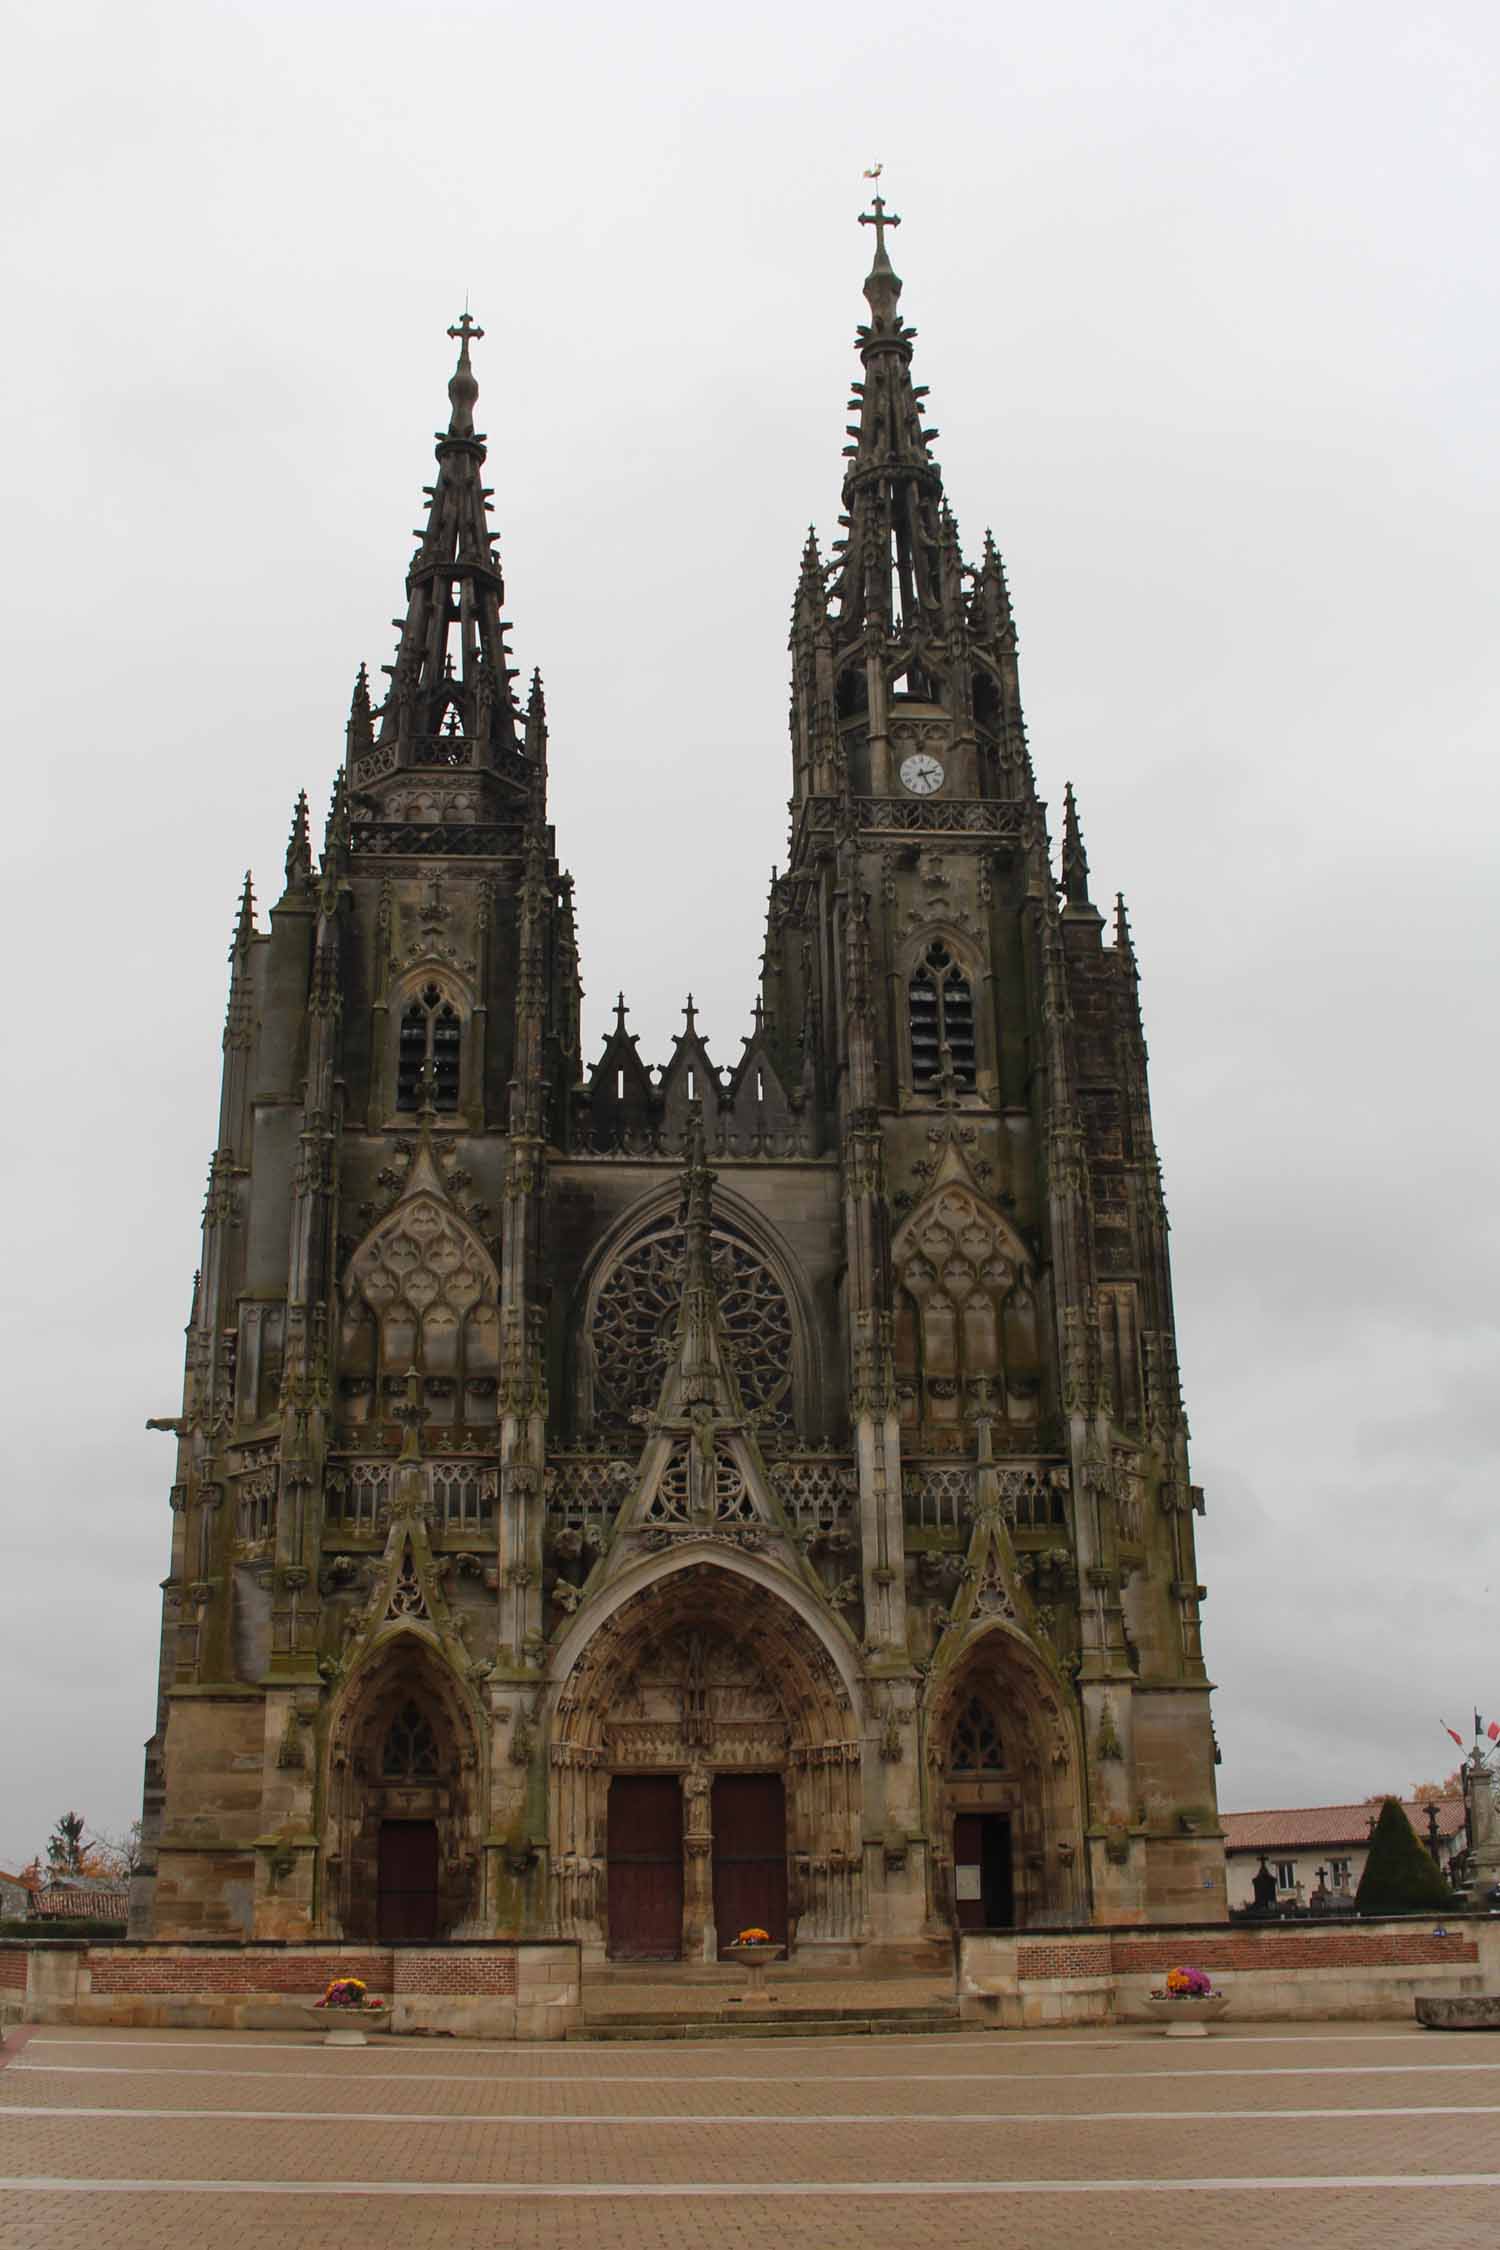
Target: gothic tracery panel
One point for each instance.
(965, 1310)
(635, 1318)
(420, 1292)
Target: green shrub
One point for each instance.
(1401, 1876)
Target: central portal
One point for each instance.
(750, 1890)
(705, 1776)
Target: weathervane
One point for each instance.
(877, 218)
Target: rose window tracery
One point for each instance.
(635, 1320)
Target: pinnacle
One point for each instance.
(1124, 943)
(361, 717)
(299, 843)
(1075, 863)
(244, 928)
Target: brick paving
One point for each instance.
(1116, 2138)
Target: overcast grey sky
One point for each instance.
(1207, 307)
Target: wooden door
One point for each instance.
(407, 1893)
(645, 1867)
(749, 1855)
(982, 1889)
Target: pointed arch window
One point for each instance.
(411, 1751)
(976, 1740)
(431, 1032)
(941, 1014)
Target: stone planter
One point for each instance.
(1183, 2017)
(756, 1959)
(1441, 2011)
(346, 2027)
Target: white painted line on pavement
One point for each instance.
(741, 2118)
(707, 2190)
(728, 2078)
(894, 2044)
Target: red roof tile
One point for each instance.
(82, 1903)
(1304, 1826)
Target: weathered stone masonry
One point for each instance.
(617, 1503)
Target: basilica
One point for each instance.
(632, 1502)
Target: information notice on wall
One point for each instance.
(968, 1882)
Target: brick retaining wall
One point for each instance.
(491, 1971)
(1301, 1947)
(518, 1989)
(1067, 1960)
(1274, 1971)
(146, 1969)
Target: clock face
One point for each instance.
(921, 774)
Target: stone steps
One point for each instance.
(774, 2022)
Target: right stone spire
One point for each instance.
(904, 621)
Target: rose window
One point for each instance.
(635, 1322)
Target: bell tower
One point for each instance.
(979, 1053)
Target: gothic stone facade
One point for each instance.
(633, 1503)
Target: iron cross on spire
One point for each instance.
(467, 329)
(878, 220)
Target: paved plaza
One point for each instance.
(1329, 2135)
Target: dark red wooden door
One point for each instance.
(749, 1855)
(645, 1867)
(407, 1910)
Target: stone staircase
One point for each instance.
(660, 2000)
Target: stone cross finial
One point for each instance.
(876, 219)
(469, 331)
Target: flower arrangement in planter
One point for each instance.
(345, 2008)
(1187, 1984)
(349, 1992)
(1187, 2003)
(753, 1936)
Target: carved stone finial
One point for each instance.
(463, 390)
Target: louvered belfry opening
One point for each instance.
(431, 1033)
(941, 1007)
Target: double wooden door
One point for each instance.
(646, 1862)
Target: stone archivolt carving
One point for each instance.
(635, 1318)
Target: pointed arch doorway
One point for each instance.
(1006, 1816)
(706, 1768)
(405, 1800)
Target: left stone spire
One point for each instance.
(450, 703)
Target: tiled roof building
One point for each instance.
(1296, 1841)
